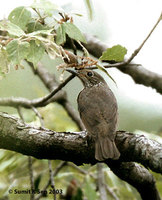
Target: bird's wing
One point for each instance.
(98, 110)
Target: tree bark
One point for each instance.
(46, 144)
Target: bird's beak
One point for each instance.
(72, 71)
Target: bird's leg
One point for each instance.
(89, 139)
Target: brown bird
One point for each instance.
(98, 111)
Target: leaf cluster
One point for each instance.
(30, 32)
(42, 28)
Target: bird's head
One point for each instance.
(88, 77)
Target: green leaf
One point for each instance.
(45, 5)
(73, 32)
(4, 67)
(17, 51)
(35, 26)
(11, 28)
(52, 48)
(20, 16)
(105, 71)
(116, 53)
(60, 35)
(36, 52)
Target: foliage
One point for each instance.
(14, 175)
(31, 32)
(20, 16)
(17, 51)
(116, 53)
(27, 34)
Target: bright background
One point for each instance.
(127, 23)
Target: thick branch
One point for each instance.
(47, 144)
(137, 176)
(51, 83)
(140, 149)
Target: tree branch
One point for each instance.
(139, 48)
(39, 102)
(139, 74)
(137, 176)
(101, 182)
(140, 149)
(30, 164)
(56, 171)
(50, 82)
(56, 94)
(47, 144)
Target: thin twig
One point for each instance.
(14, 102)
(43, 100)
(20, 114)
(39, 15)
(57, 169)
(82, 171)
(50, 82)
(39, 102)
(101, 181)
(49, 161)
(52, 178)
(46, 98)
(140, 47)
(31, 177)
(126, 62)
(110, 191)
(39, 116)
(73, 46)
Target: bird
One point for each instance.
(98, 110)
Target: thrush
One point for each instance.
(98, 110)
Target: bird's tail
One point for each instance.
(105, 148)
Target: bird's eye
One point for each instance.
(89, 74)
